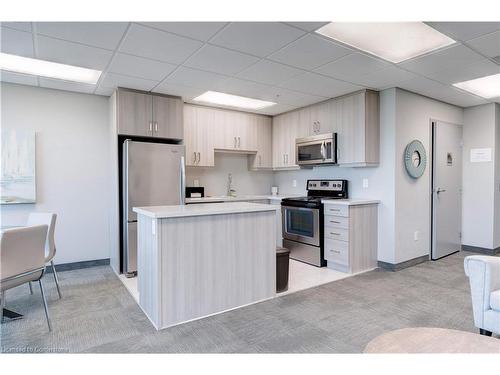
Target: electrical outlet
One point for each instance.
(365, 183)
(294, 183)
(196, 183)
(416, 235)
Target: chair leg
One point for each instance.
(31, 288)
(45, 305)
(484, 332)
(56, 279)
(2, 305)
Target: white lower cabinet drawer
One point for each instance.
(338, 210)
(336, 221)
(336, 233)
(337, 251)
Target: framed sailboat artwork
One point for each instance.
(17, 174)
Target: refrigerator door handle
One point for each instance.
(182, 190)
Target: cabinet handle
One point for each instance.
(334, 222)
(260, 160)
(194, 157)
(239, 142)
(335, 251)
(156, 127)
(334, 234)
(335, 209)
(150, 127)
(318, 126)
(234, 142)
(287, 159)
(283, 158)
(199, 157)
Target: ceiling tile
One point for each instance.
(197, 30)
(67, 86)
(464, 99)
(21, 26)
(488, 45)
(269, 72)
(456, 57)
(185, 92)
(64, 52)
(385, 78)
(310, 52)
(352, 66)
(16, 42)
(465, 30)
(289, 97)
(98, 34)
(158, 45)
(104, 91)
(140, 67)
(195, 78)
(220, 60)
(308, 26)
(113, 80)
(256, 38)
(21, 79)
(469, 71)
(241, 87)
(316, 84)
(427, 87)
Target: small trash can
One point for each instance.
(282, 265)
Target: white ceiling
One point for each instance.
(282, 62)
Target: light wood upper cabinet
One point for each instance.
(134, 113)
(168, 117)
(261, 132)
(358, 129)
(199, 124)
(316, 119)
(146, 115)
(286, 128)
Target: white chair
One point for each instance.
(22, 251)
(484, 278)
(49, 219)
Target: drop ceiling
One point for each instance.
(287, 63)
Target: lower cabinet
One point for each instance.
(350, 237)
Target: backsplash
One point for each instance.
(245, 182)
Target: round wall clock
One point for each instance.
(415, 159)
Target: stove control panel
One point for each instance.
(327, 188)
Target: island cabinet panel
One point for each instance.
(230, 262)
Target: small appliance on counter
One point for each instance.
(302, 220)
(195, 192)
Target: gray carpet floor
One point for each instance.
(97, 315)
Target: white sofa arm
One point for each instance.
(484, 277)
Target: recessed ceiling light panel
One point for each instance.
(392, 41)
(26, 65)
(487, 87)
(220, 98)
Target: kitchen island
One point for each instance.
(202, 259)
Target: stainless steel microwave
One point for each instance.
(316, 150)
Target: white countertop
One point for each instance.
(202, 209)
(350, 202)
(238, 198)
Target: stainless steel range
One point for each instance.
(303, 220)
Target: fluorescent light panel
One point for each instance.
(220, 98)
(487, 87)
(26, 65)
(392, 41)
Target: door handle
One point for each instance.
(323, 150)
(439, 190)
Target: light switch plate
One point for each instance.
(365, 183)
(294, 183)
(416, 234)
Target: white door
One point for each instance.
(446, 189)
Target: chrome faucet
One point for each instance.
(231, 192)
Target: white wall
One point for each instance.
(246, 182)
(479, 187)
(72, 165)
(413, 201)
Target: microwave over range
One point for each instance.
(316, 150)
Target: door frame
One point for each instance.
(432, 123)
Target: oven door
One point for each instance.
(301, 224)
(318, 151)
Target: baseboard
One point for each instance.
(78, 265)
(402, 265)
(481, 250)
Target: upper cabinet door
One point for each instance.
(168, 117)
(134, 113)
(191, 135)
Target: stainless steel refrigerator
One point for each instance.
(153, 175)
